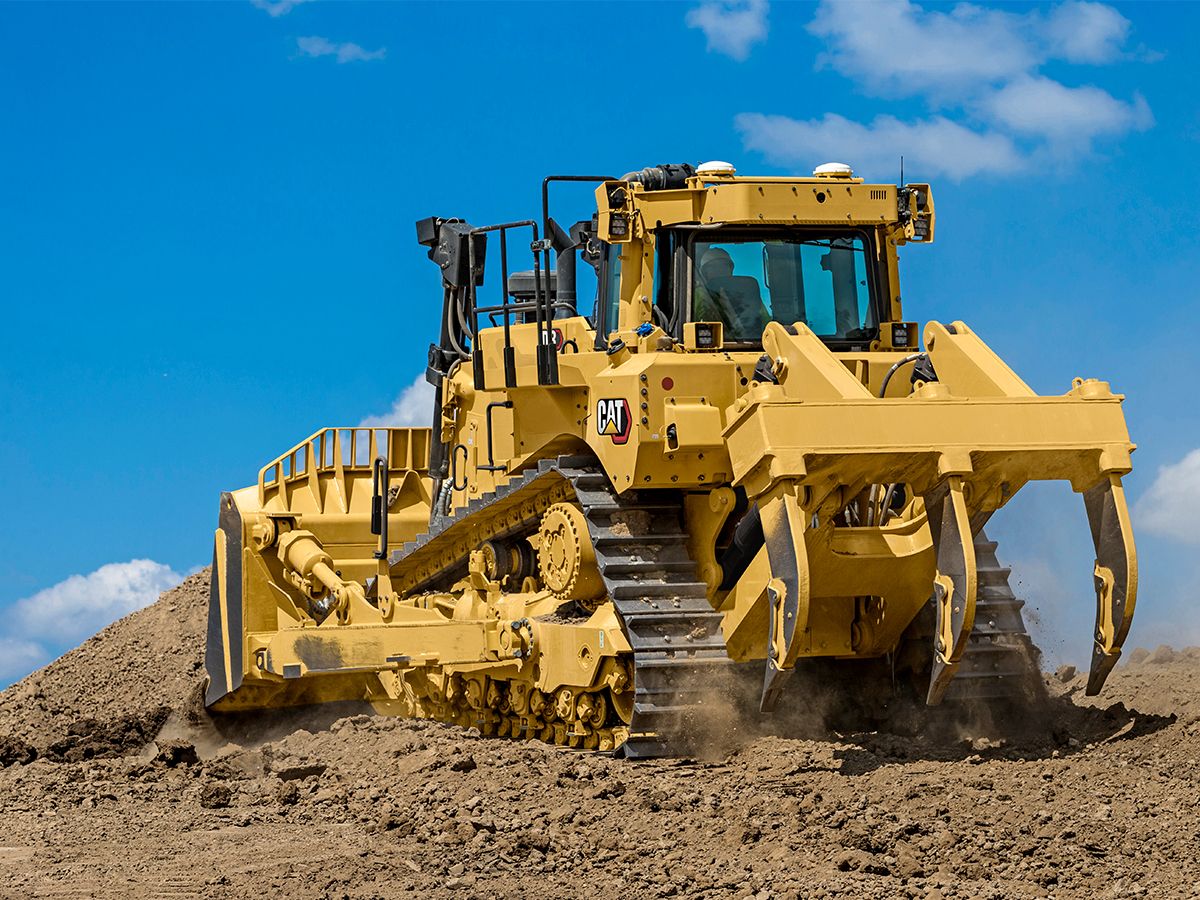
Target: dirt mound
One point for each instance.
(1086, 799)
(151, 659)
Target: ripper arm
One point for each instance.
(965, 444)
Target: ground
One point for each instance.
(115, 786)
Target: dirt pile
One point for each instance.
(150, 660)
(1090, 800)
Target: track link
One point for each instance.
(1000, 661)
(641, 552)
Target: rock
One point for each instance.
(15, 752)
(562, 814)
(176, 753)
(608, 789)
(329, 795)
(296, 773)
(215, 795)
(287, 794)
(859, 861)
(1065, 673)
(464, 763)
(907, 864)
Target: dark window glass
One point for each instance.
(612, 299)
(822, 281)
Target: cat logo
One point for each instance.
(612, 418)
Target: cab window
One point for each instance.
(610, 299)
(824, 280)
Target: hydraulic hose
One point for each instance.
(892, 371)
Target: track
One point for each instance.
(641, 552)
(1000, 662)
(676, 636)
(678, 649)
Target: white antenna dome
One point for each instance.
(833, 170)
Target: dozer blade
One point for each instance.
(955, 584)
(1115, 575)
(784, 522)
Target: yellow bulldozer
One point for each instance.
(737, 459)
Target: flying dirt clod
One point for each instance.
(740, 461)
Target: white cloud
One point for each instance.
(314, 46)
(277, 8)
(1085, 32)
(39, 627)
(1171, 506)
(977, 70)
(414, 407)
(931, 147)
(900, 48)
(18, 658)
(730, 27)
(1064, 116)
(81, 605)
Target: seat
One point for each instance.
(739, 298)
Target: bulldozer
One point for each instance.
(739, 456)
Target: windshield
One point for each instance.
(821, 280)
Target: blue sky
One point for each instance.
(206, 212)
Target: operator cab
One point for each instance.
(704, 245)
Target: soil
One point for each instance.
(115, 784)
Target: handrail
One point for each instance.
(541, 299)
(326, 451)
